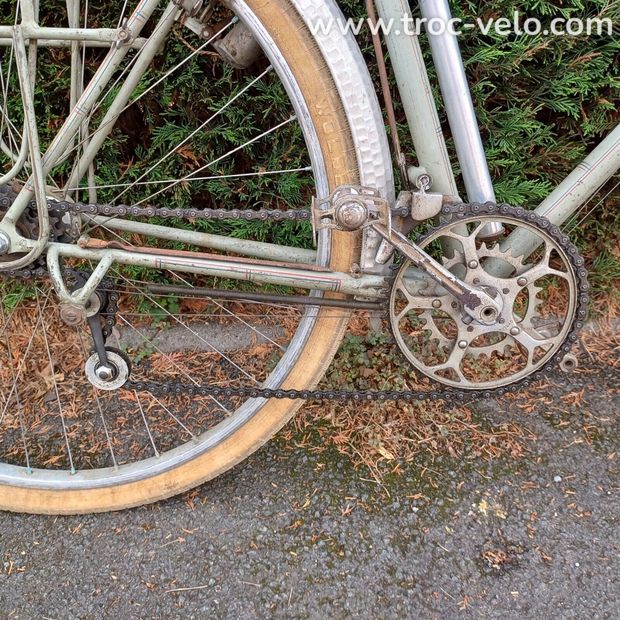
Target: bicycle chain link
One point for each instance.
(449, 215)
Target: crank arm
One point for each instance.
(476, 302)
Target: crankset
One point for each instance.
(542, 296)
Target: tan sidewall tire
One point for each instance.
(314, 80)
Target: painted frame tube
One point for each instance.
(36, 183)
(89, 98)
(459, 105)
(370, 287)
(241, 247)
(575, 191)
(108, 122)
(417, 97)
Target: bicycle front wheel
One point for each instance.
(66, 447)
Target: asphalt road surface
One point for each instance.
(295, 534)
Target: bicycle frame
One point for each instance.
(420, 107)
(416, 94)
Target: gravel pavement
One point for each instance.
(296, 534)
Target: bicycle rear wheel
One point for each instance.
(66, 448)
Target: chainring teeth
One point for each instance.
(547, 353)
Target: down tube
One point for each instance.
(576, 190)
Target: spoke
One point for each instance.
(191, 331)
(105, 429)
(122, 74)
(18, 403)
(188, 177)
(20, 368)
(577, 223)
(96, 395)
(122, 15)
(6, 93)
(230, 313)
(13, 135)
(217, 177)
(146, 424)
(166, 313)
(10, 318)
(52, 370)
(11, 129)
(149, 342)
(196, 131)
(97, 224)
(113, 120)
(185, 428)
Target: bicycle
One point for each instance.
(150, 338)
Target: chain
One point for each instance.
(262, 215)
(449, 215)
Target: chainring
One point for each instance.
(434, 350)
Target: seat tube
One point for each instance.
(458, 102)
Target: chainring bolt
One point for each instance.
(522, 281)
(515, 331)
(462, 344)
(473, 264)
(436, 303)
(569, 363)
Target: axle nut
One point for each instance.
(105, 373)
(72, 315)
(5, 244)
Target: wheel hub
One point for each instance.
(5, 243)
